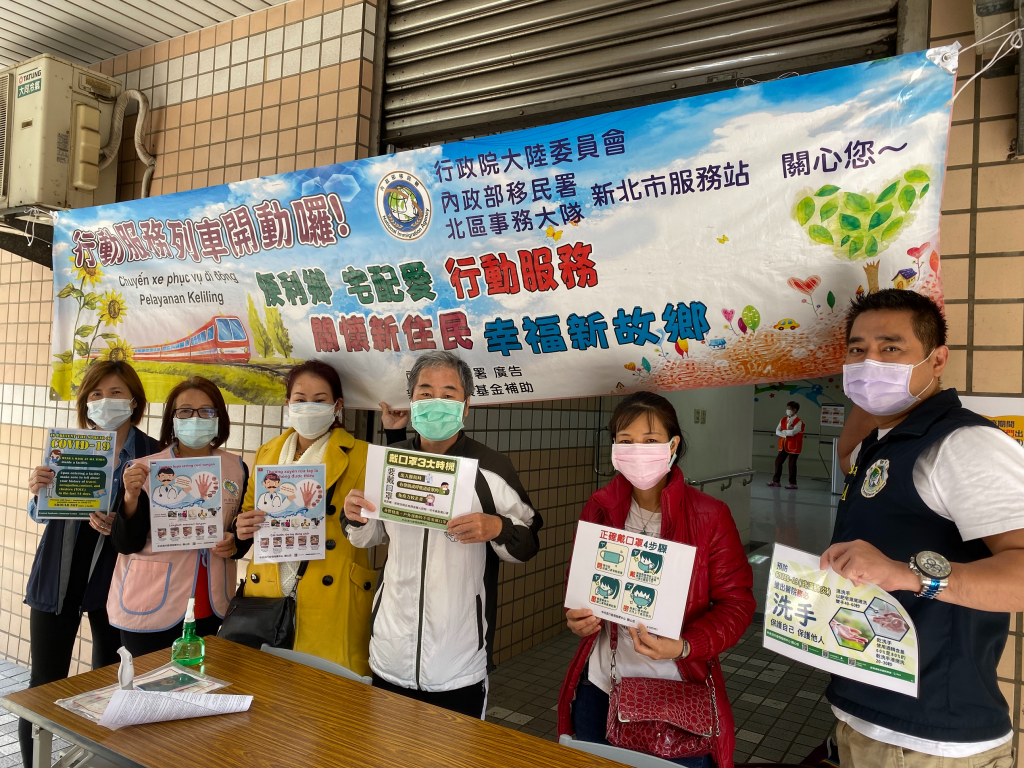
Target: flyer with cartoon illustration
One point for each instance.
(293, 498)
(416, 488)
(185, 503)
(83, 463)
(825, 621)
(630, 578)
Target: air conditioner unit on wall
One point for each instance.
(54, 118)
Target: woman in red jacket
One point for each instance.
(650, 496)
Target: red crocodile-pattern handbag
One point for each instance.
(666, 718)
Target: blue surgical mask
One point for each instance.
(109, 413)
(196, 433)
(437, 419)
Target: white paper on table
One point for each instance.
(417, 488)
(139, 707)
(630, 578)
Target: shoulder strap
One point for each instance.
(483, 490)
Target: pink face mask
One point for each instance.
(643, 464)
(881, 389)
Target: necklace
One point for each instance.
(648, 521)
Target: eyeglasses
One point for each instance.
(202, 413)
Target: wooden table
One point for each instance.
(300, 716)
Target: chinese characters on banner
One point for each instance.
(685, 244)
(823, 620)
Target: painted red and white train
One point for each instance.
(221, 340)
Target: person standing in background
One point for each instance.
(791, 442)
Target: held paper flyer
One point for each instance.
(293, 498)
(416, 488)
(630, 578)
(185, 506)
(83, 461)
(825, 621)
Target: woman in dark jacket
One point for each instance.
(74, 561)
(650, 496)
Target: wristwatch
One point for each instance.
(933, 570)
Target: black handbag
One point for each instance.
(253, 621)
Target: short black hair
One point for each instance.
(929, 322)
(165, 471)
(793, 404)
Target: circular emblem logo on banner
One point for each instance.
(403, 205)
(875, 479)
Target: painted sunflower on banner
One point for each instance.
(87, 273)
(120, 351)
(112, 310)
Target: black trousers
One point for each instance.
(466, 701)
(52, 642)
(780, 459)
(141, 643)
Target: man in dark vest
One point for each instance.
(931, 513)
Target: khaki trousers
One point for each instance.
(859, 751)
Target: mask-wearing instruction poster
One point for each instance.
(630, 578)
(415, 488)
(823, 620)
(293, 499)
(185, 503)
(83, 464)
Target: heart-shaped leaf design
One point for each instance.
(728, 314)
(917, 253)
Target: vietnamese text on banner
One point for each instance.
(710, 241)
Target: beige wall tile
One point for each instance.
(956, 319)
(950, 17)
(1007, 662)
(963, 107)
(999, 278)
(956, 191)
(998, 325)
(955, 233)
(961, 145)
(998, 96)
(1001, 185)
(1000, 231)
(994, 138)
(954, 278)
(996, 372)
(955, 374)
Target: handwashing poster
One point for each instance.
(293, 498)
(83, 464)
(630, 578)
(419, 488)
(823, 620)
(185, 506)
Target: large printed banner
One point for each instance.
(705, 242)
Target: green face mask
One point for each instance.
(437, 419)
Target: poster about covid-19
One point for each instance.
(703, 242)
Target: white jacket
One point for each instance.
(433, 620)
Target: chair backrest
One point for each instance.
(618, 754)
(316, 662)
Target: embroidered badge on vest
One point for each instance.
(875, 479)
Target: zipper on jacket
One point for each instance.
(479, 622)
(379, 599)
(423, 585)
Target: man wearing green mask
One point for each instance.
(434, 617)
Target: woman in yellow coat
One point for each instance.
(334, 597)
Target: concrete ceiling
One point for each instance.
(87, 31)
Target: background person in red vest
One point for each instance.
(791, 442)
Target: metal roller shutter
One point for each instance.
(457, 68)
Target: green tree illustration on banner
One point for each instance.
(861, 225)
(260, 336)
(278, 333)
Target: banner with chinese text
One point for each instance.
(709, 241)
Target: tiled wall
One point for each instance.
(279, 90)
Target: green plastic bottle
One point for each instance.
(189, 649)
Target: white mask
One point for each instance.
(789, 412)
(109, 413)
(882, 389)
(311, 420)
